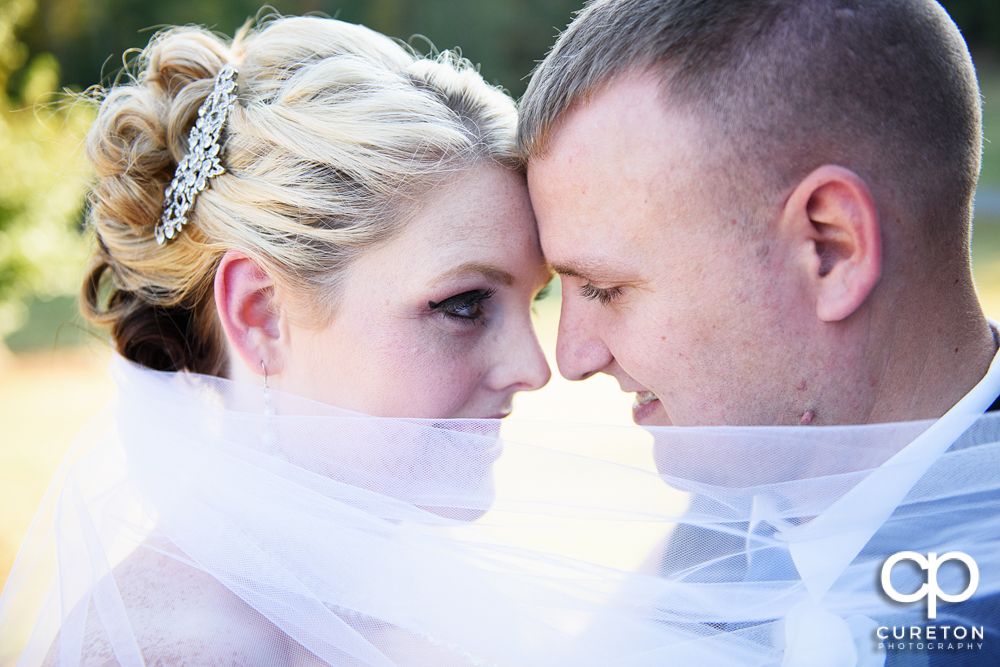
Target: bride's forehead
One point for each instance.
(474, 196)
(500, 251)
(487, 210)
(480, 219)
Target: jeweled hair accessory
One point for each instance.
(202, 160)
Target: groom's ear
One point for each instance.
(833, 222)
(245, 302)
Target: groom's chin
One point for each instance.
(651, 414)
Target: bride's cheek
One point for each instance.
(432, 353)
(449, 368)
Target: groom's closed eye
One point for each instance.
(588, 273)
(603, 295)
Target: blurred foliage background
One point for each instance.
(51, 49)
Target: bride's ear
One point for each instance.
(245, 301)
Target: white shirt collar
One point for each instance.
(823, 547)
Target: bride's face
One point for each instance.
(435, 323)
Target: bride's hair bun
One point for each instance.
(337, 131)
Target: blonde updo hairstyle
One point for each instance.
(337, 134)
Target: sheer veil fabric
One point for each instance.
(185, 526)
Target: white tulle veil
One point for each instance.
(331, 537)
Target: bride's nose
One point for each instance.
(520, 364)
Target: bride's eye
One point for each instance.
(464, 306)
(600, 294)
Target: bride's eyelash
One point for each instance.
(600, 294)
(544, 292)
(466, 306)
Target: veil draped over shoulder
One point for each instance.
(186, 526)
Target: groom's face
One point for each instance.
(661, 288)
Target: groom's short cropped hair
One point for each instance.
(883, 87)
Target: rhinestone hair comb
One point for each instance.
(202, 160)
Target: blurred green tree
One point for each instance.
(506, 37)
(41, 177)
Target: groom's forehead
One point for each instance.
(626, 151)
(623, 133)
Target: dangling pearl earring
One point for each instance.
(269, 439)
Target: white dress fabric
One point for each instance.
(187, 527)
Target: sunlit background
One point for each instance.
(52, 366)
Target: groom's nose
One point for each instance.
(580, 350)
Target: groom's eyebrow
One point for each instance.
(493, 275)
(581, 271)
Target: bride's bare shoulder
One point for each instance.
(181, 615)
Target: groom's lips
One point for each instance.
(644, 397)
(645, 404)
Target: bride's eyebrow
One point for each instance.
(493, 275)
